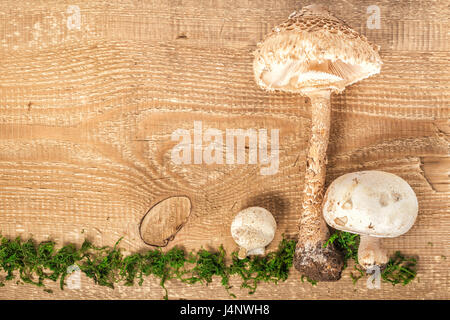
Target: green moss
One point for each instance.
(347, 242)
(400, 269)
(273, 267)
(34, 263)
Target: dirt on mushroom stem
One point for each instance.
(311, 258)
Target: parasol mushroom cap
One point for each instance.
(372, 203)
(253, 229)
(314, 50)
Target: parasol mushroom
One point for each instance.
(253, 229)
(374, 204)
(314, 54)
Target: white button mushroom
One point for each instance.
(374, 204)
(253, 229)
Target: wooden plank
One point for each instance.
(87, 115)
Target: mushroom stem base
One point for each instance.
(242, 254)
(371, 252)
(319, 263)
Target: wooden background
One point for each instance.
(86, 118)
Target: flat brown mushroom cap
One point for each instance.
(314, 50)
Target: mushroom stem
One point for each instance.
(312, 258)
(371, 252)
(312, 226)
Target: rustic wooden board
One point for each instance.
(86, 117)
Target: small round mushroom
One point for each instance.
(315, 54)
(374, 204)
(253, 229)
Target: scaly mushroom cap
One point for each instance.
(313, 50)
(253, 228)
(373, 203)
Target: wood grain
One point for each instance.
(163, 221)
(86, 118)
